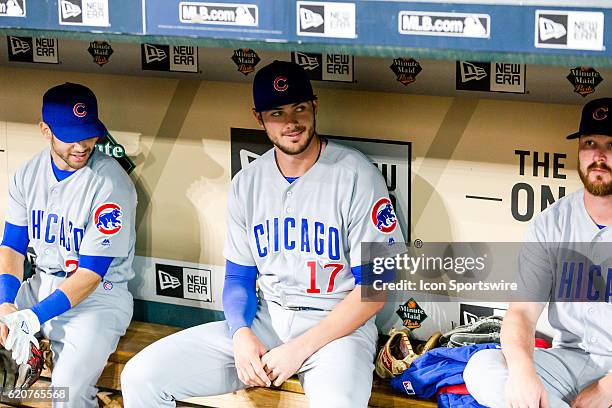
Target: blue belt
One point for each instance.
(298, 308)
(61, 274)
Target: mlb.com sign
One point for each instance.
(444, 24)
(219, 13)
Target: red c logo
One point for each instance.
(280, 83)
(600, 113)
(80, 110)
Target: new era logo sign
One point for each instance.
(551, 30)
(167, 281)
(311, 18)
(183, 282)
(83, 12)
(470, 72)
(69, 10)
(18, 45)
(490, 77)
(32, 49)
(326, 19)
(578, 30)
(308, 62)
(153, 53)
(177, 58)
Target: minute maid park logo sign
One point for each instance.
(112, 148)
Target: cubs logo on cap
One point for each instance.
(595, 119)
(281, 83)
(108, 218)
(383, 216)
(80, 110)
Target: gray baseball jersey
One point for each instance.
(92, 212)
(304, 237)
(575, 264)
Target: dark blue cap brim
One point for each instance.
(575, 135)
(73, 134)
(284, 101)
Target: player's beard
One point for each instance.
(297, 148)
(597, 188)
(75, 165)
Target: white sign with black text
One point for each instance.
(326, 19)
(577, 30)
(12, 8)
(444, 24)
(83, 12)
(243, 14)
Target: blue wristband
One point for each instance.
(9, 286)
(53, 305)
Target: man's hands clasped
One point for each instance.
(258, 367)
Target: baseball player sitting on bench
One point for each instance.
(577, 371)
(75, 206)
(295, 220)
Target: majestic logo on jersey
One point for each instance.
(383, 216)
(108, 218)
(280, 84)
(80, 110)
(107, 285)
(600, 113)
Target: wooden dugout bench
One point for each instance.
(289, 395)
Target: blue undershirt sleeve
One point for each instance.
(239, 296)
(16, 237)
(97, 264)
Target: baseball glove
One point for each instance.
(14, 376)
(483, 330)
(398, 353)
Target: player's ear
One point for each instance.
(45, 130)
(315, 106)
(258, 118)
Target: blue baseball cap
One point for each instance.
(71, 111)
(281, 83)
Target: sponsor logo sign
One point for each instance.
(490, 77)
(584, 79)
(33, 49)
(183, 282)
(100, 51)
(578, 30)
(83, 12)
(176, 58)
(12, 8)
(326, 19)
(444, 24)
(243, 14)
(326, 67)
(406, 69)
(246, 60)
